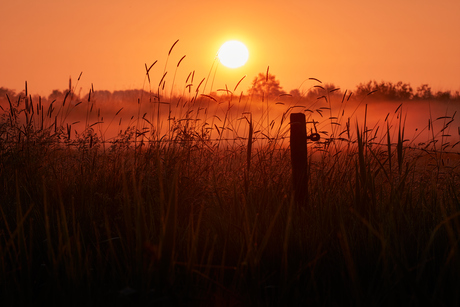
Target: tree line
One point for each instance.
(403, 91)
(267, 85)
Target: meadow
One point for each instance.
(188, 200)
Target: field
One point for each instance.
(189, 201)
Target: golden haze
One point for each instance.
(344, 43)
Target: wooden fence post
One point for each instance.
(299, 157)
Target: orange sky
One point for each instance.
(340, 42)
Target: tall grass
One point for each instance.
(184, 216)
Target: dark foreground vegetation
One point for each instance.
(189, 219)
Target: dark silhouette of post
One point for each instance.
(299, 157)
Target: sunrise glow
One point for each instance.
(233, 54)
(243, 153)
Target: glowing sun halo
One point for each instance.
(233, 54)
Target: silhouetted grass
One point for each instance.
(181, 216)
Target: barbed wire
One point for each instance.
(325, 143)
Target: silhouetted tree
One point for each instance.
(363, 89)
(456, 96)
(440, 95)
(3, 99)
(55, 95)
(295, 93)
(5, 91)
(404, 91)
(265, 85)
(424, 92)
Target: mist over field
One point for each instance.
(428, 118)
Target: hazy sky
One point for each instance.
(341, 42)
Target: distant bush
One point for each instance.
(402, 91)
(265, 84)
(386, 90)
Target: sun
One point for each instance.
(233, 54)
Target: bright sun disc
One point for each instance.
(233, 54)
